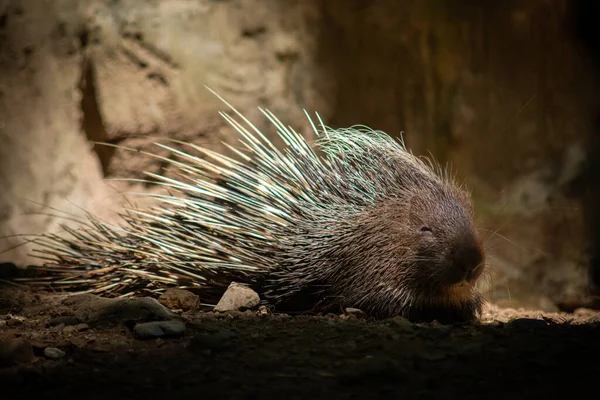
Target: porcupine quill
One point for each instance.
(365, 224)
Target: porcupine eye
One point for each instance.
(425, 228)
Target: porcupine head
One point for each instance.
(402, 243)
(434, 256)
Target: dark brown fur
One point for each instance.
(418, 256)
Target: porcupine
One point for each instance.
(354, 221)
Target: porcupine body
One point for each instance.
(364, 224)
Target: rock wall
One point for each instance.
(500, 90)
(130, 74)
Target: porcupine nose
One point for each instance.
(467, 260)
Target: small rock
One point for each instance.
(264, 310)
(15, 351)
(355, 312)
(148, 330)
(158, 329)
(402, 323)
(90, 308)
(53, 353)
(69, 329)
(81, 327)
(76, 328)
(237, 297)
(179, 299)
(14, 322)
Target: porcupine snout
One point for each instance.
(466, 260)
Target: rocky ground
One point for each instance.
(95, 348)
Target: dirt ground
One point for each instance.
(511, 354)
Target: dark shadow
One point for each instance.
(91, 120)
(586, 15)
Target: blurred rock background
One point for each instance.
(503, 91)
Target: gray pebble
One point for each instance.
(90, 308)
(157, 329)
(76, 328)
(53, 353)
(401, 323)
(356, 312)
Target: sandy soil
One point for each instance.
(514, 354)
